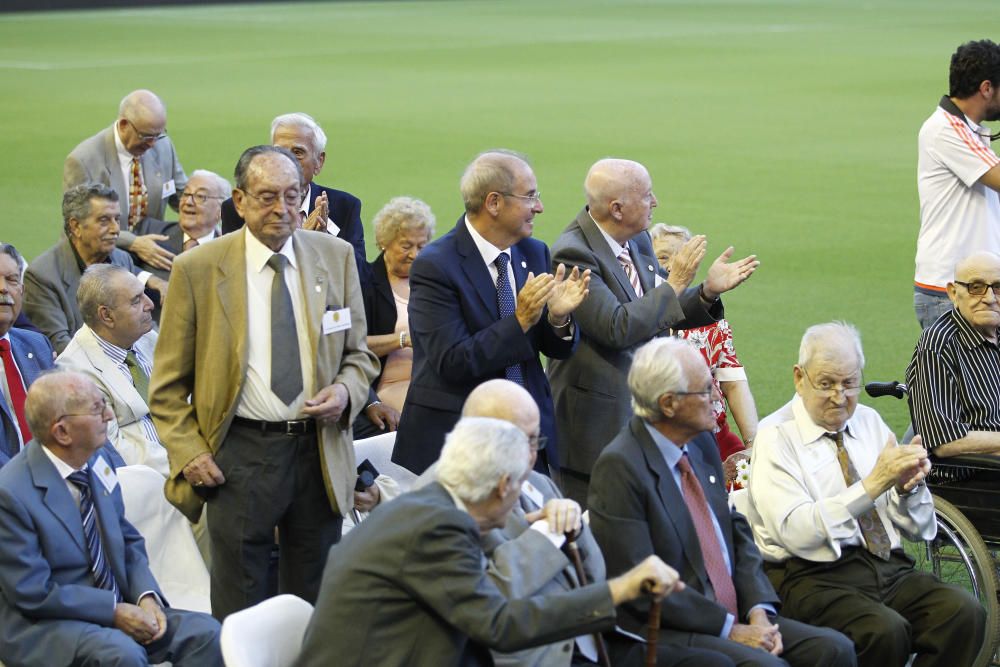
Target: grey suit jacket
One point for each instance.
(85, 355)
(95, 160)
(47, 593)
(523, 562)
(408, 588)
(590, 388)
(50, 285)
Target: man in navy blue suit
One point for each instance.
(326, 209)
(24, 355)
(483, 306)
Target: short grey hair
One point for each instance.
(11, 251)
(243, 165)
(301, 120)
(76, 201)
(53, 393)
(491, 171)
(97, 289)
(222, 186)
(662, 231)
(656, 370)
(818, 336)
(402, 214)
(477, 453)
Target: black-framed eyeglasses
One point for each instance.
(100, 412)
(292, 198)
(147, 137)
(850, 386)
(531, 199)
(977, 288)
(199, 197)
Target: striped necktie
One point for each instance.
(625, 259)
(138, 200)
(103, 576)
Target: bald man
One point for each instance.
(954, 375)
(630, 302)
(136, 158)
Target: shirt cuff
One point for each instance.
(768, 608)
(143, 276)
(155, 595)
(727, 627)
(856, 499)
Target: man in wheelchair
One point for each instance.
(954, 376)
(830, 495)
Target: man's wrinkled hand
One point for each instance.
(568, 292)
(146, 248)
(563, 515)
(724, 275)
(685, 262)
(136, 622)
(203, 471)
(384, 417)
(365, 501)
(532, 298)
(328, 404)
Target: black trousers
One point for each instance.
(272, 481)
(888, 609)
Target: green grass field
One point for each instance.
(787, 129)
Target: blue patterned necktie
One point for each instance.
(505, 304)
(99, 565)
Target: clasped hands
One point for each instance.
(561, 292)
(144, 622)
(902, 466)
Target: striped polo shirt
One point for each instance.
(954, 381)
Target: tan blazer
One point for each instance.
(202, 353)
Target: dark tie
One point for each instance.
(17, 393)
(190, 243)
(711, 550)
(505, 304)
(286, 366)
(872, 528)
(103, 576)
(139, 377)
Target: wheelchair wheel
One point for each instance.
(959, 556)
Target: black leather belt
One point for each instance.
(297, 427)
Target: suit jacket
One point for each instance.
(460, 341)
(636, 510)
(47, 594)
(408, 588)
(592, 399)
(202, 353)
(523, 563)
(85, 355)
(33, 354)
(95, 160)
(345, 212)
(50, 285)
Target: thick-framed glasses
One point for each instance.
(292, 198)
(147, 137)
(849, 387)
(979, 289)
(531, 199)
(98, 413)
(199, 197)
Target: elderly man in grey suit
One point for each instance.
(75, 584)
(114, 348)
(412, 576)
(91, 215)
(629, 303)
(136, 158)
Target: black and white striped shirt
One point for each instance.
(954, 380)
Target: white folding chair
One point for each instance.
(268, 634)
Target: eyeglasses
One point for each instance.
(538, 442)
(99, 413)
(704, 392)
(198, 197)
(979, 289)
(292, 198)
(531, 199)
(147, 137)
(850, 386)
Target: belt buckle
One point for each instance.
(297, 427)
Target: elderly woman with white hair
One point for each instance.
(715, 342)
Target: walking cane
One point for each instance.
(652, 624)
(573, 552)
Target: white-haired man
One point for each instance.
(324, 209)
(658, 488)
(412, 575)
(136, 158)
(831, 494)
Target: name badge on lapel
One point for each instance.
(169, 188)
(336, 320)
(105, 473)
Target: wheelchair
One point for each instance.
(966, 492)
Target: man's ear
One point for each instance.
(952, 292)
(668, 404)
(239, 201)
(615, 210)
(320, 161)
(798, 377)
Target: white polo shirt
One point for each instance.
(958, 214)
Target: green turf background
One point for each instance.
(787, 129)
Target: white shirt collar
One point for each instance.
(258, 253)
(64, 469)
(616, 248)
(809, 430)
(308, 198)
(124, 157)
(488, 251)
(202, 240)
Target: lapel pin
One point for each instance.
(711, 479)
(650, 267)
(524, 264)
(318, 288)
(31, 355)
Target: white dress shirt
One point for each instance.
(800, 504)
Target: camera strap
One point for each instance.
(948, 105)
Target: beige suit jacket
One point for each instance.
(202, 353)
